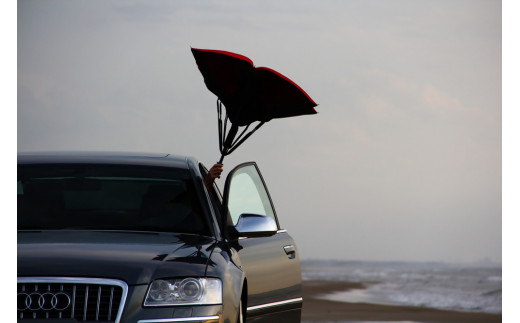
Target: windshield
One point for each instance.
(108, 197)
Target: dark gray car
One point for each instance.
(137, 238)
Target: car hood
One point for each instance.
(134, 257)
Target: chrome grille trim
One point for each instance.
(85, 307)
(74, 281)
(98, 303)
(111, 300)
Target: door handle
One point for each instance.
(290, 250)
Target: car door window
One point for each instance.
(247, 194)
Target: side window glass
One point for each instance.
(247, 194)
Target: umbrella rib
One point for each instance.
(219, 113)
(245, 138)
(240, 136)
(222, 129)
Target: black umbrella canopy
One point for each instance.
(250, 94)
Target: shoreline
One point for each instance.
(320, 310)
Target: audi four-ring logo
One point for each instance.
(43, 301)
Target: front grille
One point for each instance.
(81, 299)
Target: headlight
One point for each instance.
(187, 291)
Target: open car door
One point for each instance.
(267, 253)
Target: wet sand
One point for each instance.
(316, 310)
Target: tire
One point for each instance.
(240, 316)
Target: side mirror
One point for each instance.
(255, 225)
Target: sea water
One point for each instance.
(457, 287)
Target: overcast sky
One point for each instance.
(402, 161)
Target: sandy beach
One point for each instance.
(317, 310)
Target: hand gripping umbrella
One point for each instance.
(250, 94)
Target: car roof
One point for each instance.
(115, 158)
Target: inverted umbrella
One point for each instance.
(250, 94)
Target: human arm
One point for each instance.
(213, 174)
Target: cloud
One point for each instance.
(435, 98)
